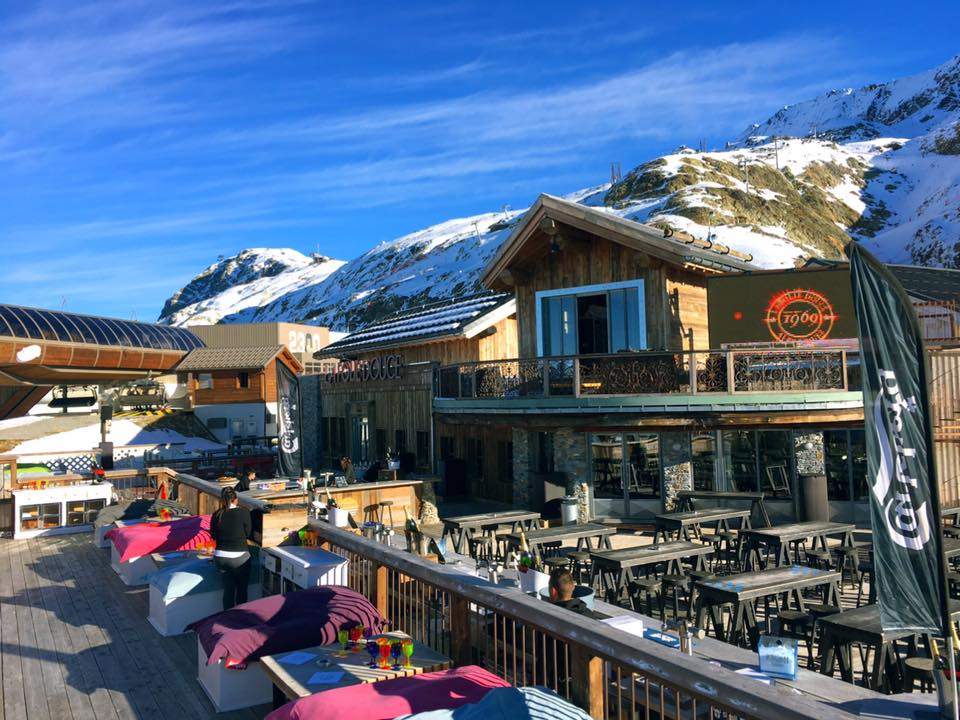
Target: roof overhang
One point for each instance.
(611, 227)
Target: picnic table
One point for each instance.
(950, 514)
(686, 498)
(742, 591)
(951, 548)
(465, 527)
(681, 523)
(615, 568)
(291, 676)
(778, 538)
(584, 534)
(862, 625)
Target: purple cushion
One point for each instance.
(281, 623)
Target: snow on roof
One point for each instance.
(440, 320)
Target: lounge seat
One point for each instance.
(388, 699)
(528, 703)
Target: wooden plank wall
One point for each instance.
(675, 299)
(945, 411)
(493, 482)
(226, 388)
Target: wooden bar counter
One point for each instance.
(277, 514)
(360, 499)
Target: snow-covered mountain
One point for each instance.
(880, 164)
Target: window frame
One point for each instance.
(604, 288)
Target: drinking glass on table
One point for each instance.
(384, 646)
(372, 650)
(343, 637)
(356, 632)
(407, 648)
(396, 650)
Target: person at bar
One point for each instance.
(346, 464)
(246, 480)
(561, 588)
(231, 527)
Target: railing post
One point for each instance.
(545, 376)
(693, 371)
(381, 587)
(461, 651)
(731, 385)
(587, 684)
(576, 377)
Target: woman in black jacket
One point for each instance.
(231, 527)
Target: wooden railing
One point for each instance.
(653, 373)
(606, 672)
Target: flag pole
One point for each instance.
(953, 674)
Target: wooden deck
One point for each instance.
(75, 641)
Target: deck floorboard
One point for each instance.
(75, 643)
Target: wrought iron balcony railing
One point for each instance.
(653, 373)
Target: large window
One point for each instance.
(774, 455)
(703, 447)
(591, 319)
(845, 456)
(625, 465)
(740, 460)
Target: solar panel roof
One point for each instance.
(37, 324)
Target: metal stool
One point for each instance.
(798, 625)
(557, 562)
(650, 587)
(848, 559)
(673, 584)
(388, 506)
(371, 513)
(918, 669)
(580, 560)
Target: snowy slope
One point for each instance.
(880, 164)
(251, 278)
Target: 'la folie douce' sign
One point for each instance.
(387, 367)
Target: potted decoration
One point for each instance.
(532, 580)
(570, 504)
(393, 460)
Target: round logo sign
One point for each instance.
(800, 315)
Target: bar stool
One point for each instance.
(650, 588)
(695, 576)
(388, 506)
(480, 548)
(847, 559)
(919, 669)
(865, 568)
(371, 513)
(580, 566)
(557, 562)
(820, 559)
(798, 625)
(818, 612)
(674, 585)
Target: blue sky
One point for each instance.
(140, 140)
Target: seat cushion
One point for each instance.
(388, 699)
(281, 623)
(145, 538)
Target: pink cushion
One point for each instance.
(387, 699)
(151, 537)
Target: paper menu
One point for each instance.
(329, 677)
(297, 658)
(626, 623)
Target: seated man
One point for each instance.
(561, 592)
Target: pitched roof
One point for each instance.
(926, 283)
(692, 253)
(444, 320)
(235, 358)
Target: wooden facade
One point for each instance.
(248, 385)
(398, 413)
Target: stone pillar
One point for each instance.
(521, 467)
(810, 455)
(570, 456)
(677, 466)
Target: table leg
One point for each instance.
(875, 679)
(753, 630)
(827, 657)
(783, 557)
(605, 543)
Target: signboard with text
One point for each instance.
(788, 306)
(386, 367)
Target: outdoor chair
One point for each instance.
(674, 586)
(918, 670)
(581, 566)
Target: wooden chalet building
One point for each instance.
(379, 398)
(233, 390)
(623, 382)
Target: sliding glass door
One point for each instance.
(626, 474)
(591, 320)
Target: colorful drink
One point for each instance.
(396, 651)
(407, 652)
(372, 650)
(384, 645)
(343, 637)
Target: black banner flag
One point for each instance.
(902, 480)
(289, 449)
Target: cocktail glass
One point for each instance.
(396, 651)
(372, 649)
(343, 637)
(384, 645)
(356, 632)
(407, 652)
